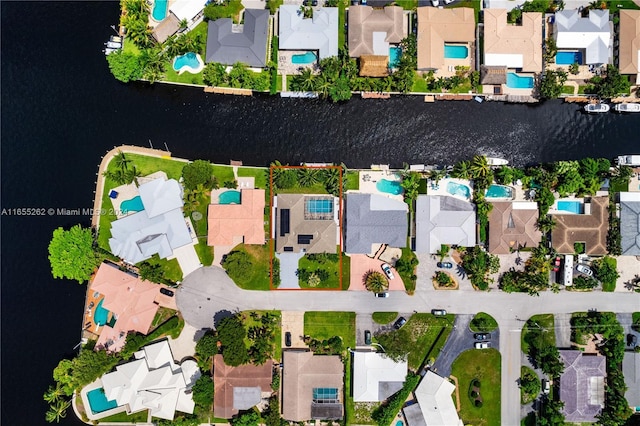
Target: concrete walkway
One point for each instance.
(562, 323)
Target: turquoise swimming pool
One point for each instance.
(516, 81)
(229, 197)
(454, 188)
(189, 59)
(159, 11)
(499, 191)
(304, 59)
(455, 51)
(571, 206)
(319, 206)
(132, 205)
(394, 56)
(569, 57)
(101, 315)
(98, 401)
(389, 186)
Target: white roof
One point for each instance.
(434, 396)
(567, 279)
(187, 9)
(318, 33)
(509, 60)
(441, 219)
(374, 375)
(160, 196)
(503, 4)
(592, 34)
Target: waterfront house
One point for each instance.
(630, 223)
(239, 388)
(228, 43)
(374, 31)
(441, 219)
(446, 38)
(179, 10)
(312, 386)
(159, 228)
(582, 385)
(376, 377)
(517, 47)
(318, 34)
(435, 405)
(589, 228)
(232, 224)
(629, 43)
(590, 38)
(513, 225)
(373, 219)
(631, 371)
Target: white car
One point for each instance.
(481, 345)
(387, 270)
(448, 1)
(584, 269)
(435, 3)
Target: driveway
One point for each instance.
(361, 264)
(366, 322)
(187, 258)
(628, 268)
(429, 265)
(288, 266)
(626, 320)
(293, 322)
(562, 324)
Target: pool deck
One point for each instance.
(287, 67)
(129, 191)
(369, 178)
(554, 210)
(441, 187)
(96, 384)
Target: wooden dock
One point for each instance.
(375, 95)
(228, 91)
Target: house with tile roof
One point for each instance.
(513, 225)
(239, 388)
(319, 33)
(372, 219)
(589, 228)
(629, 42)
(630, 223)
(228, 43)
(593, 35)
(232, 224)
(376, 377)
(371, 31)
(434, 406)
(441, 219)
(582, 385)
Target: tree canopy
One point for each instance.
(203, 392)
(71, 254)
(199, 172)
(125, 67)
(232, 333)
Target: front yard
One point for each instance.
(320, 270)
(539, 322)
(324, 325)
(248, 266)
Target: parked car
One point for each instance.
(556, 264)
(287, 339)
(367, 337)
(166, 291)
(383, 294)
(399, 323)
(314, 3)
(448, 1)
(445, 265)
(546, 386)
(632, 340)
(584, 269)
(435, 3)
(438, 312)
(482, 336)
(481, 345)
(387, 270)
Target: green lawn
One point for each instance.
(346, 272)
(186, 77)
(483, 323)
(171, 270)
(317, 188)
(636, 317)
(526, 398)
(323, 325)
(130, 47)
(407, 4)
(568, 89)
(408, 279)
(384, 317)
(250, 322)
(223, 173)
(260, 175)
(474, 4)
(544, 321)
(328, 263)
(352, 180)
(259, 278)
(147, 165)
(614, 6)
(619, 186)
(483, 365)
(341, 20)
(205, 252)
(419, 85)
(140, 417)
(429, 334)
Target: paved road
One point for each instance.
(460, 339)
(208, 293)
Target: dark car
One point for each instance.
(384, 294)
(367, 337)
(287, 339)
(632, 340)
(166, 292)
(482, 336)
(399, 323)
(445, 265)
(314, 3)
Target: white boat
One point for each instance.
(627, 107)
(596, 108)
(493, 161)
(629, 160)
(114, 45)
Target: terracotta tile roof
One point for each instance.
(439, 26)
(364, 21)
(245, 220)
(588, 228)
(511, 227)
(629, 47)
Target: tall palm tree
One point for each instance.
(479, 167)
(57, 411)
(307, 176)
(121, 161)
(437, 175)
(462, 170)
(53, 393)
(375, 282)
(323, 85)
(307, 80)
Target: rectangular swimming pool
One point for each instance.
(571, 206)
(322, 205)
(569, 57)
(516, 81)
(455, 51)
(394, 56)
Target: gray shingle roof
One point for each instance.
(582, 385)
(228, 46)
(630, 223)
(374, 219)
(444, 220)
(631, 370)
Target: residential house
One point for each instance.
(434, 403)
(158, 229)
(154, 382)
(228, 43)
(239, 388)
(232, 224)
(312, 386)
(629, 43)
(440, 31)
(306, 223)
(517, 47)
(441, 219)
(582, 385)
(374, 219)
(179, 10)
(376, 377)
(591, 36)
(589, 228)
(513, 225)
(631, 371)
(630, 223)
(319, 33)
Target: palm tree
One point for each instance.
(131, 175)
(307, 176)
(461, 170)
(545, 224)
(437, 175)
(322, 85)
(121, 161)
(307, 80)
(53, 393)
(57, 411)
(479, 167)
(375, 282)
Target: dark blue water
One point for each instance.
(61, 111)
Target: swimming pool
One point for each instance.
(101, 315)
(454, 188)
(570, 206)
(132, 205)
(322, 205)
(98, 401)
(516, 81)
(229, 197)
(455, 51)
(569, 57)
(304, 59)
(159, 11)
(389, 186)
(499, 191)
(190, 62)
(394, 56)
